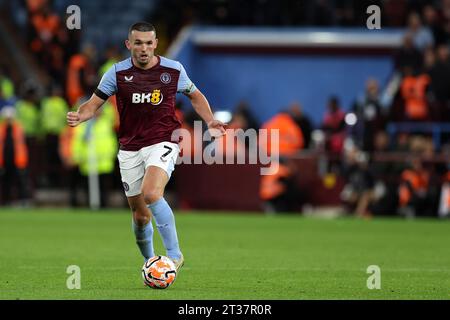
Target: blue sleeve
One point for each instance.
(108, 83)
(185, 85)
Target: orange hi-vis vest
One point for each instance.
(417, 180)
(413, 90)
(270, 185)
(49, 24)
(290, 135)
(65, 143)
(74, 89)
(20, 147)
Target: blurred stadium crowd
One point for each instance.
(406, 173)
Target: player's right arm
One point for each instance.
(85, 112)
(106, 88)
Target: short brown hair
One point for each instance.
(142, 26)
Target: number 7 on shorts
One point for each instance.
(166, 153)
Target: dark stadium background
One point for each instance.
(255, 60)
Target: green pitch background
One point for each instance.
(228, 256)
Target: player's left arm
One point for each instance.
(199, 102)
(201, 106)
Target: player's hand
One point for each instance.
(73, 118)
(216, 128)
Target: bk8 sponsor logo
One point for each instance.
(154, 98)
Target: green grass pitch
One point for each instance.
(228, 256)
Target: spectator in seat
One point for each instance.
(81, 75)
(433, 23)
(44, 26)
(302, 121)
(290, 140)
(439, 73)
(408, 55)
(243, 109)
(422, 36)
(333, 125)
(279, 192)
(414, 93)
(415, 198)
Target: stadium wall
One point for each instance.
(272, 68)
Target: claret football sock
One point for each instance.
(144, 239)
(165, 222)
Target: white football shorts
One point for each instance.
(133, 164)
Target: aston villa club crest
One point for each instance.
(165, 78)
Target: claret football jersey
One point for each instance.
(145, 100)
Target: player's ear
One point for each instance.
(128, 44)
